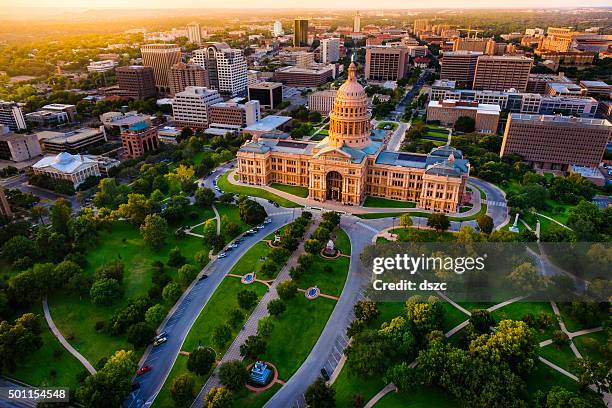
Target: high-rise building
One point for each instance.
(278, 29)
(499, 73)
(183, 75)
(269, 94)
(138, 140)
(190, 107)
(459, 66)
(330, 50)
(386, 63)
(194, 33)
(161, 57)
(300, 33)
(357, 23)
(11, 116)
(556, 142)
(420, 24)
(226, 67)
(136, 81)
(485, 45)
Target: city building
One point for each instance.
(233, 116)
(18, 147)
(417, 50)
(190, 107)
(47, 119)
(300, 33)
(350, 164)
(101, 66)
(597, 89)
(308, 77)
(11, 116)
(72, 141)
(459, 66)
(74, 168)
(486, 116)
(161, 57)
(269, 124)
(322, 101)
(569, 58)
(357, 23)
(386, 63)
(269, 94)
(557, 39)
(136, 81)
(69, 110)
(499, 73)
(278, 29)
(537, 82)
(169, 134)
(194, 33)
(330, 50)
(590, 173)
(226, 67)
(138, 140)
(564, 89)
(553, 142)
(182, 75)
(486, 46)
(420, 24)
(104, 163)
(121, 121)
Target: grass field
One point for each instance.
(392, 125)
(423, 235)
(295, 190)
(253, 191)
(342, 241)
(329, 283)
(164, 398)
(372, 216)
(592, 345)
(516, 311)
(247, 399)
(381, 202)
(232, 213)
(561, 356)
(348, 385)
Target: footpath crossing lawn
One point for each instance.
(348, 385)
(380, 202)
(295, 190)
(561, 356)
(254, 192)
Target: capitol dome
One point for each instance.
(349, 123)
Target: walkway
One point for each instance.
(63, 341)
(388, 388)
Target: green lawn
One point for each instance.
(571, 323)
(423, 235)
(381, 202)
(392, 125)
(164, 398)
(372, 216)
(348, 385)
(592, 345)
(516, 311)
(329, 283)
(544, 377)
(232, 213)
(252, 260)
(422, 397)
(247, 399)
(253, 191)
(295, 190)
(287, 350)
(342, 241)
(561, 356)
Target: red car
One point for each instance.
(144, 369)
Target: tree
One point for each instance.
(175, 258)
(19, 341)
(136, 209)
(246, 298)
(218, 397)
(171, 292)
(265, 325)
(587, 221)
(438, 221)
(210, 230)
(405, 220)
(156, 314)
(105, 291)
(233, 374)
(481, 320)
(186, 274)
(204, 197)
(287, 290)
(201, 360)
(61, 212)
(320, 395)
(403, 376)
(313, 246)
(485, 223)
(154, 231)
(253, 347)
(369, 354)
(140, 334)
(276, 307)
(18, 247)
(40, 212)
(560, 338)
(593, 372)
(222, 334)
(182, 390)
(465, 124)
(252, 212)
(526, 278)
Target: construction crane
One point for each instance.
(469, 30)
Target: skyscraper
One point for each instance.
(183, 75)
(300, 33)
(357, 23)
(136, 81)
(330, 50)
(459, 66)
(194, 33)
(161, 57)
(386, 63)
(420, 24)
(278, 29)
(498, 73)
(226, 67)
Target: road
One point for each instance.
(189, 306)
(398, 135)
(22, 403)
(20, 182)
(496, 201)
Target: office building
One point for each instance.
(161, 57)
(226, 67)
(420, 24)
(556, 142)
(357, 23)
(300, 33)
(386, 63)
(499, 73)
(486, 116)
(11, 116)
(269, 94)
(190, 107)
(139, 139)
(18, 147)
(47, 119)
(417, 50)
(69, 110)
(232, 116)
(136, 81)
(557, 39)
(74, 168)
(459, 66)
(169, 134)
(194, 33)
(537, 82)
(72, 141)
(485, 45)
(182, 75)
(350, 164)
(322, 101)
(306, 77)
(278, 29)
(597, 89)
(101, 66)
(565, 89)
(330, 50)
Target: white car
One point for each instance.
(267, 221)
(222, 255)
(160, 341)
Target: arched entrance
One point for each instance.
(333, 181)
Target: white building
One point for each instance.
(330, 50)
(232, 71)
(322, 101)
(190, 107)
(194, 33)
(11, 116)
(357, 23)
(278, 29)
(72, 167)
(101, 66)
(18, 147)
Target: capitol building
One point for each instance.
(352, 162)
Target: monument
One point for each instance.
(260, 373)
(330, 248)
(514, 227)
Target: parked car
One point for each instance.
(160, 335)
(267, 221)
(159, 341)
(324, 374)
(222, 255)
(144, 369)
(234, 245)
(201, 278)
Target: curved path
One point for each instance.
(63, 341)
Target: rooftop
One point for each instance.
(524, 117)
(63, 162)
(268, 123)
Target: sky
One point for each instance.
(327, 4)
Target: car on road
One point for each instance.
(160, 335)
(324, 374)
(260, 226)
(135, 386)
(143, 370)
(250, 232)
(276, 204)
(159, 341)
(222, 255)
(201, 278)
(234, 245)
(267, 221)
